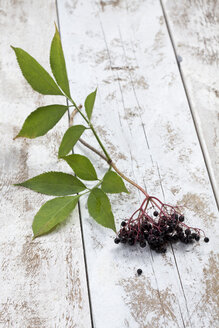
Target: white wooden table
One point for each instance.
(156, 67)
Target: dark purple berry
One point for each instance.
(175, 238)
(144, 226)
(197, 237)
(142, 244)
(206, 239)
(162, 223)
(139, 272)
(116, 240)
(155, 232)
(187, 232)
(155, 213)
(149, 226)
(131, 241)
(123, 224)
(181, 218)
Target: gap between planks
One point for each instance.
(79, 208)
(200, 137)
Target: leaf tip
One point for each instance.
(56, 28)
(16, 137)
(16, 184)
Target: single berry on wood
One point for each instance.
(181, 218)
(155, 213)
(206, 239)
(116, 240)
(139, 272)
(123, 224)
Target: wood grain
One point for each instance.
(142, 115)
(194, 27)
(43, 282)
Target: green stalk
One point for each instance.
(92, 128)
(74, 104)
(100, 143)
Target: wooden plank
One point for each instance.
(194, 27)
(43, 282)
(143, 116)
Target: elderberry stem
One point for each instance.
(100, 143)
(93, 149)
(113, 166)
(107, 158)
(91, 127)
(129, 180)
(78, 109)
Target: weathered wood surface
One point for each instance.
(194, 27)
(42, 282)
(142, 115)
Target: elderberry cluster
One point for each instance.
(157, 233)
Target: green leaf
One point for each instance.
(35, 74)
(100, 209)
(54, 183)
(82, 166)
(89, 103)
(113, 183)
(70, 138)
(57, 63)
(41, 121)
(52, 213)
